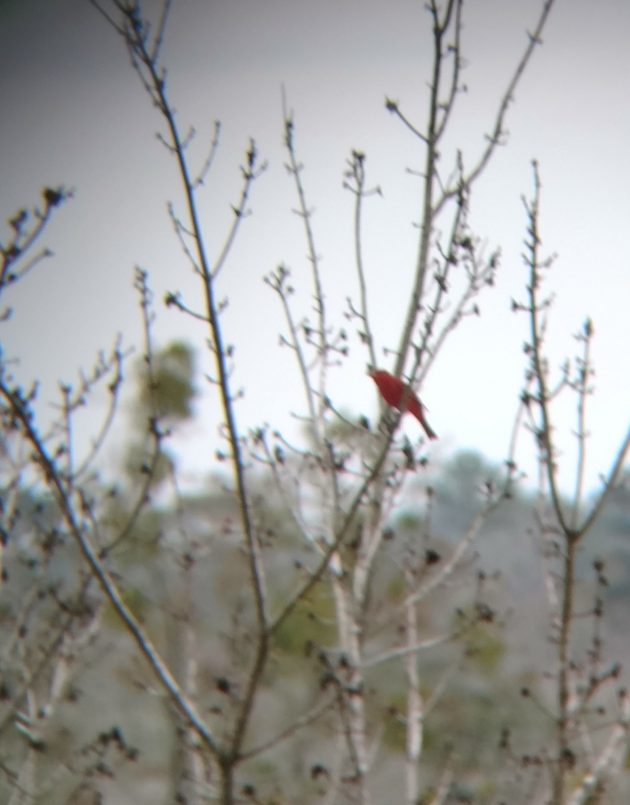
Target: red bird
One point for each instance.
(400, 395)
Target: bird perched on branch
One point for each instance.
(400, 395)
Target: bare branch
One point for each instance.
(105, 580)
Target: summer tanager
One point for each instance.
(400, 395)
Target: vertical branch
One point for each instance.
(134, 32)
(582, 388)
(536, 310)
(153, 76)
(439, 113)
(414, 730)
(429, 178)
(295, 168)
(570, 529)
(355, 182)
(278, 281)
(564, 757)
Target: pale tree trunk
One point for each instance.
(352, 715)
(415, 716)
(190, 775)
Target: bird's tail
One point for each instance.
(415, 407)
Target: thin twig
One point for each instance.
(105, 580)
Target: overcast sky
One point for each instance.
(74, 114)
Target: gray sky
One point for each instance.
(73, 113)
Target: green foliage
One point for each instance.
(137, 603)
(163, 399)
(312, 621)
(485, 649)
(409, 520)
(173, 390)
(394, 729)
(139, 461)
(396, 588)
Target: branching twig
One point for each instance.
(355, 182)
(134, 32)
(569, 529)
(105, 580)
